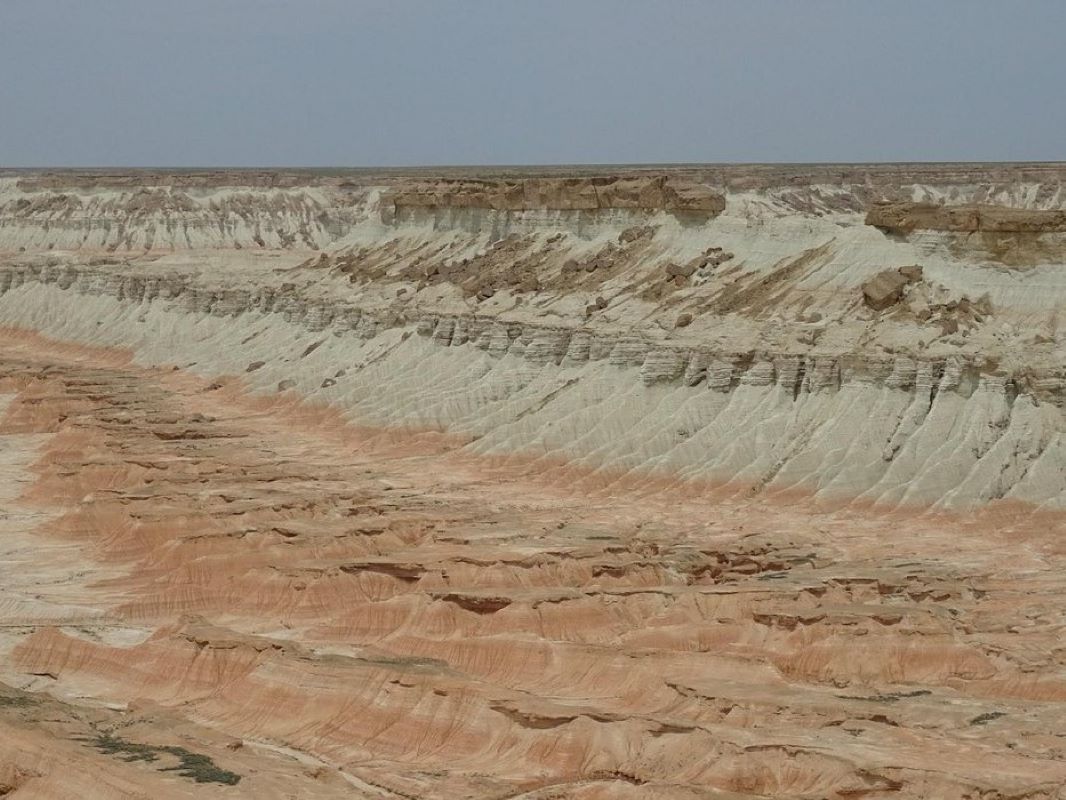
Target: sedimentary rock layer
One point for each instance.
(657, 193)
(906, 217)
(262, 602)
(126, 215)
(891, 431)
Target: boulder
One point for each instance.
(885, 289)
(680, 270)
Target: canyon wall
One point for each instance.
(654, 326)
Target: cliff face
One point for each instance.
(658, 193)
(97, 214)
(755, 320)
(951, 432)
(903, 217)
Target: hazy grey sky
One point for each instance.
(400, 82)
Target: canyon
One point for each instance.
(632, 482)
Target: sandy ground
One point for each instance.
(193, 568)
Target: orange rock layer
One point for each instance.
(323, 611)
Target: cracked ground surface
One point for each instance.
(204, 592)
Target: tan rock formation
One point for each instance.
(885, 289)
(651, 193)
(904, 217)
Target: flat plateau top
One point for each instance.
(738, 176)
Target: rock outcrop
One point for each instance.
(904, 217)
(885, 289)
(651, 193)
(122, 215)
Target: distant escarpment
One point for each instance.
(42, 213)
(651, 193)
(904, 217)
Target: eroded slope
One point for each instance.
(409, 622)
(777, 340)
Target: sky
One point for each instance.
(434, 82)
